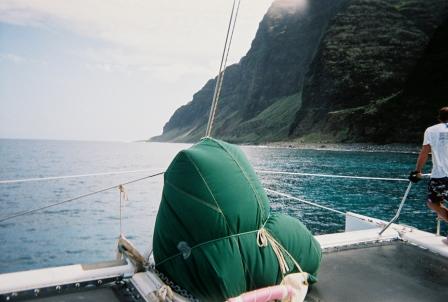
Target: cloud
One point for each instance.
(142, 34)
(11, 58)
(18, 59)
(147, 55)
(291, 4)
(281, 7)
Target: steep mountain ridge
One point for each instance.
(273, 68)
(365, 59)
(334, 70)
(402, 117)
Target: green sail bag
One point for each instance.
(205, 238)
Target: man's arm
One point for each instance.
(422, 158)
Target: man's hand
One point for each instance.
(415, 176)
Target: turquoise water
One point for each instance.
(86, 230)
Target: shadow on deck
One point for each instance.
(392, 272)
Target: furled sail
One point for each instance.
(212, 221)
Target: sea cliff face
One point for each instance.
(368, 53)
(332, 70)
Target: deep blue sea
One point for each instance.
(86, 230)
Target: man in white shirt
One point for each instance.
(435, 142)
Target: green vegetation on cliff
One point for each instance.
(367, 55)
(273, 69)
(339, 71)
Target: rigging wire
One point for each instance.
(332, 175)
(11, 181)
(222, 66)
(304, 201)
(76, 198)
(160, 173)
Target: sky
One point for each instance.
(110, 70)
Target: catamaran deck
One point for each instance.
(108, 294)
(394, 271)
(388, 271)
(402, 264)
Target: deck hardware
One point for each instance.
(184, 249)
(119, 281)
(399, 208)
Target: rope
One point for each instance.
(125, 249)
(222, 67)
(248, 179)
(10, 181)
(76, 198)
(205, 243)
(331, 176)
(224, 70)
(165, 293)
(305, 201)
(264, 239)
(123, 196)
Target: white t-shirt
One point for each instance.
(437, 137)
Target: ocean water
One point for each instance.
(86, 230)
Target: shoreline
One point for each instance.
(343, 147)
(348, 147)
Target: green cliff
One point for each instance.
(336, 70)
(261, 93)
(358, 86)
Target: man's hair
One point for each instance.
(443, 114)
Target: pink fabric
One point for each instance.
(266, 294)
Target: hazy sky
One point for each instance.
(110, 70)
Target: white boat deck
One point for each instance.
(363, 229)
(402, 264)
(64, 275)
(392, 271)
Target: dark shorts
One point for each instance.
(438, 189)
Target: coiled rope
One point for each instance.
(76, 198)
(222, 66)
